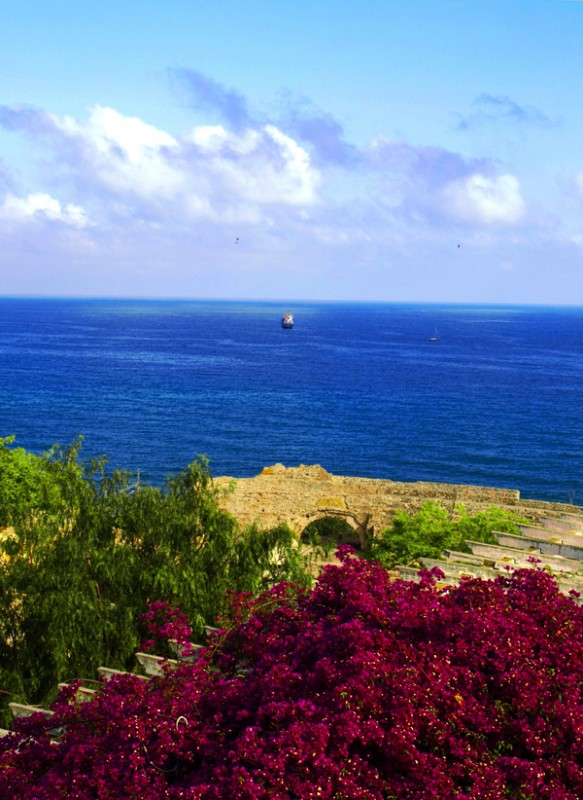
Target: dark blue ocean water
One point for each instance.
(356, 388)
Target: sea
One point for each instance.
(360, 389)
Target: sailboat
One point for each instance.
(435, 337)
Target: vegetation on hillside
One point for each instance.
(363, 688)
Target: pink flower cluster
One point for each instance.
(167, 629)
(366, 688)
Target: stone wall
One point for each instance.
(299, 495)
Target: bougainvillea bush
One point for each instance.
(365, 688)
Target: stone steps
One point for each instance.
(155, 665)
(151, 664)
(550, 535)
(84, 693)
(459, 570)
(546, 546)
(182, 654)
(554, 543)
(517, 557)
(107, 673)
(464, 558)
(565, 522)
(25, 710)
(576, 520)
(455, 574)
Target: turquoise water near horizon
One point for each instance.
(356, 388)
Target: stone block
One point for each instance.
(155, 665)
(336, 503)
(564, 523)
(511, 556)
(24, 710)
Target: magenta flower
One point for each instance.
(366, 688)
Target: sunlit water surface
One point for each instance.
(356, 388)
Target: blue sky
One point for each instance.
(325, 150)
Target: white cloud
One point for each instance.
(481, 200)
(301, 180)
(135, 175)
(43, 206)
(107, 128)
(210, 174)
(259, 166)
(210, 137)
(125, 153)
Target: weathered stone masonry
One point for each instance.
(299, 495)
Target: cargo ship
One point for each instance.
(287, 321)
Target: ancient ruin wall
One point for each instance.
(299, 495)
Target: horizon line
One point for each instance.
(287, 301)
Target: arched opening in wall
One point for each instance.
(330, 531)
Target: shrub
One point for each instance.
(365, 688)
(434, 529)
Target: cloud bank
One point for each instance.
(288, 186)
(125, 167)
(130, 167)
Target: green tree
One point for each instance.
(92, 550)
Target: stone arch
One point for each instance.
(333, 528)
(360, 525)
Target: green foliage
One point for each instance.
(24, 486)
(329, 531)
(90, 551)
(434, 529)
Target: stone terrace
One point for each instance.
(556, 545)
